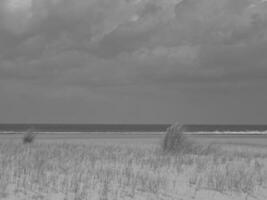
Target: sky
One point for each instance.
(133, 61)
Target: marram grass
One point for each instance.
(116, 172)
(29, 136)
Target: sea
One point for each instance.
(128, 128)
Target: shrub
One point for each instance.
(29, 136)
(175, 141)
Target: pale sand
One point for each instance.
(186, 193)
(183, 191)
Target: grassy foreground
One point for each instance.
(79, 171)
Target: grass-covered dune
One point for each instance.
(71, 171)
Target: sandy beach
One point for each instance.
(125, 166)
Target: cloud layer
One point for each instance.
(66, 46)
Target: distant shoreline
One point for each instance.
(132, 128)
(137, 132)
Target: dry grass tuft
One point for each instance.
(29, 136)
(175, 141)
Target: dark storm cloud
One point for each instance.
(149, 9)
(235, 57)
(67, 48)
(119, 41)
(156, 38)
(47, 68)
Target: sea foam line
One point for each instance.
(143, 132)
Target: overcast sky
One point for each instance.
(133, 61)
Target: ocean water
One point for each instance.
(84, 128)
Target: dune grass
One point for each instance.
(175, 142)
(180, 167)
(29, 136)
(115, 172)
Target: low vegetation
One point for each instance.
(175, 142)
(29, 136)
(80, 171)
